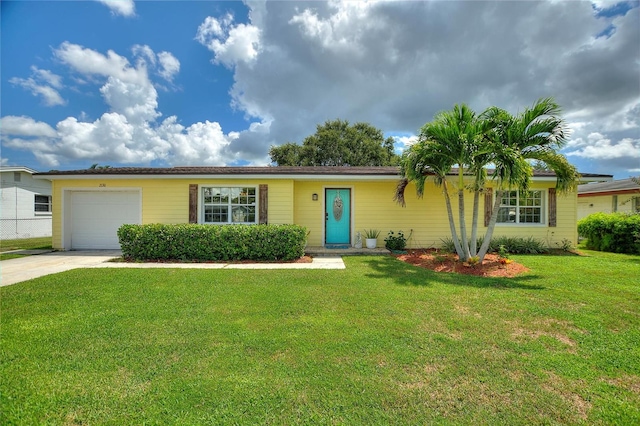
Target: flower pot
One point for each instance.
(372, 242)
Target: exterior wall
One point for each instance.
(423, 221)
(566, 228)
(18, 218)
(605, 203)
(167, 200)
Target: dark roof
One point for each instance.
(622, 185)
(204, 170)
(279, 170)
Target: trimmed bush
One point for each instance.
(614, 232)
(202, 243)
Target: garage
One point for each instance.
(95, 217)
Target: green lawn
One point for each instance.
(378, 343)
(22, 244)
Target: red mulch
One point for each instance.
(440, 261)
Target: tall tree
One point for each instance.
(473, 143)
(337, 143)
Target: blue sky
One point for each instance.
(166, 83)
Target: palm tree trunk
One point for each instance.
(492, 224)
(474, 224)
(463, 227)
(452, 225)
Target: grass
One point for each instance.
(22, 244)
(381, 342)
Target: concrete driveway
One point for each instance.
(25, 268)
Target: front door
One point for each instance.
(337, 214)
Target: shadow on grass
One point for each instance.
(406, 274)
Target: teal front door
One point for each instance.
(337, 216)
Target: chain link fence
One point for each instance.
(15, 229)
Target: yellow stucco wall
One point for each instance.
(167, 200)
(424, 220)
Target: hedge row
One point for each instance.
(615, 232)
(201, 243)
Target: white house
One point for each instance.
(608, 197)
(25, 204)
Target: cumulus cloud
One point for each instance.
(169, 65)
(125, 8)
(231, 44)
(25, 126)
(90, 62)
(128, 133)
(43, 83)
(396, 64)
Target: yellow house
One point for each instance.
(608, 197)
(333, 203)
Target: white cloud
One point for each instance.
(136, 102)
(90, 62)
(169, 65)
(47, 76)
(598, 146)
(230, 44)
(25, 126)
(50, 96)
(143, 53)
(125, 8)
(42, 83)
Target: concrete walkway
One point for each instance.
(25, 268)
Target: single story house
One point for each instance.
(25, 204)
(608, 197)
(333, 203)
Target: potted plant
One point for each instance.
(371, 238)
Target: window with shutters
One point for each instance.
(227, 205)
(521, 207)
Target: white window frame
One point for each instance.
(236, 212)
(40, 203)
(518, 207)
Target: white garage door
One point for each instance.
(96, 217)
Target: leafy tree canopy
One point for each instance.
(338, 143)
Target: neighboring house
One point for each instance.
(608, 197)
(25, 204)
(333, 203)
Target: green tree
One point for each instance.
(337, 143)
(473, 143)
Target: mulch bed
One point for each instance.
(440, 261)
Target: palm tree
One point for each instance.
(514, 141)
(451, 139)
(495, 137)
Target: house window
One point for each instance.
(42, 204)
(521, 207)
(222, 205)
(17, 177)
(636, 204)
(614, 203)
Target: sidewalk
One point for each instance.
(29, 267)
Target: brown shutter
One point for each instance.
(193, 203)
(488, 205)
(552, 207)
(263, 203)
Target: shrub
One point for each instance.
(614, 232)
(513, 245)
(395, 242)
(191, 242)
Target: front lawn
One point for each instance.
(22, 244)
(381, 342)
